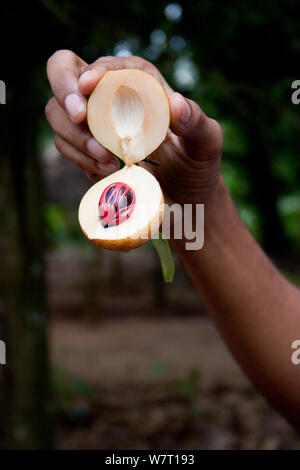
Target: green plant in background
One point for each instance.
(56, 224)
(188, 386)
(61, 225)
(260, 125)
(158, 369)
(243, 83)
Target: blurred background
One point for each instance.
(101, 354)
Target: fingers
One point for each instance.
(94, 72)
(66, 110)
(94, 177)
(63, 70)
(77, 135)
(90, 77)
(84, 161)
(202, 135)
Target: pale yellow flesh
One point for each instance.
(128, 113)
(143, 223)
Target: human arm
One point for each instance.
(254, 307)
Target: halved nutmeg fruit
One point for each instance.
(119, 222)
(128, 113)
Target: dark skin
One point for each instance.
(255, 308)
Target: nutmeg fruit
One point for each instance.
(128, 113)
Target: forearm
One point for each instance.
(256, 310)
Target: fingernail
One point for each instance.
(91, 75)
(86, 76)
(96, 150)
(75, 105)
(185, 112)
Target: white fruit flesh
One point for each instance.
(143, 223)
(128, 113)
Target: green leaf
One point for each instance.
(162, 248)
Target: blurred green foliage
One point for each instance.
(188, 386)
(238, 62)
(236, 59)
(61, 225)
(158, 370)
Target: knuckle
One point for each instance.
(202, 118)
(143, 64)
(58, 55)
(197, 117)
(218, 131)
(49, 108)
(199, 114)
(149, 67)
(103, 60)
(139, 60)
(58, 142)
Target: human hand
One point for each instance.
(189, 158)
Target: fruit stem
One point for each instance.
(124, 147)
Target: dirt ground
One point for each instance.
(154, 383)
(154, 372)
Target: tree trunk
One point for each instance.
(26, 408)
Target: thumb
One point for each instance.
(201, 135)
